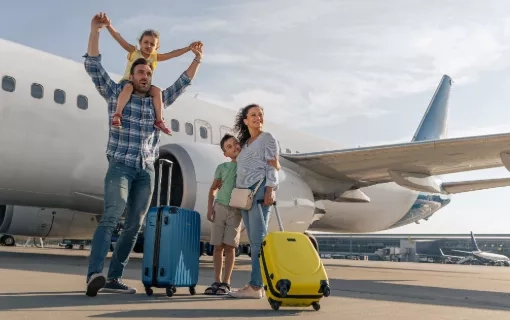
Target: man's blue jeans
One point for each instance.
(124, 188)
(256, 228)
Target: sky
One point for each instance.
(343, 70)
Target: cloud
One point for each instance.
(226, 58)
(320, 63)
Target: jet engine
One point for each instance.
(47, 222)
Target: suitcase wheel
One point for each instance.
(275, 305)
(327, 291)
(192, 291)
(316, 306)
(148, 291)
(283, 291)
(170, 291)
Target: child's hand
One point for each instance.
(210, 215)
(197, 49)
(194, 44)
(106, 20)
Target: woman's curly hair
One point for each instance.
(242, 130)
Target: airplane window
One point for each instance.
(59, 96)
(36, 91)
(8, 84)
(174, 124)
(203, 132)
(189, 128)
(82, 102)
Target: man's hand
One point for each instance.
(99, 21)
(196, 47)
(210, 215)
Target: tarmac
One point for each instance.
(49, 283)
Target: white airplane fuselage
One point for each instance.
(53, 163)
(488, 256)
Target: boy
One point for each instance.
(226, 221)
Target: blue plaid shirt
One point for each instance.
(137, 143)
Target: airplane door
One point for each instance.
(203, 131)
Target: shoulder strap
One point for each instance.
(254, 191)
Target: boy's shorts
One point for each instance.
(226, 228)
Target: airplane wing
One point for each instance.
(419, 160)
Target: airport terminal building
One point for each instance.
(426, 244)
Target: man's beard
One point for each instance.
(139, 88)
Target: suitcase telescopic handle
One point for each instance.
(280, 224)
(170, 164)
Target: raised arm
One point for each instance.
(104, 84)
(123, 43)
(173, 54)
(171, 93)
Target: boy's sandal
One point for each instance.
(116, 120)
(224, 288)
(212, 289)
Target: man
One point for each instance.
(131, 153)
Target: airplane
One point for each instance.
(482, 256)
(54, 127)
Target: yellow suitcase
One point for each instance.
(292, 271)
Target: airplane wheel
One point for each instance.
(7, 241)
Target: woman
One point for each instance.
(256, 163)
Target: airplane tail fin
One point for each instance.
(434, 123)
(473, 242)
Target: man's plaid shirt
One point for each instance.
(137, 143)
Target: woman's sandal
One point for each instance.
(212, 289)
(223, 289)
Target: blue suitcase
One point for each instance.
(171, 245)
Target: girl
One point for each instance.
(256, 163)
(149, 44)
